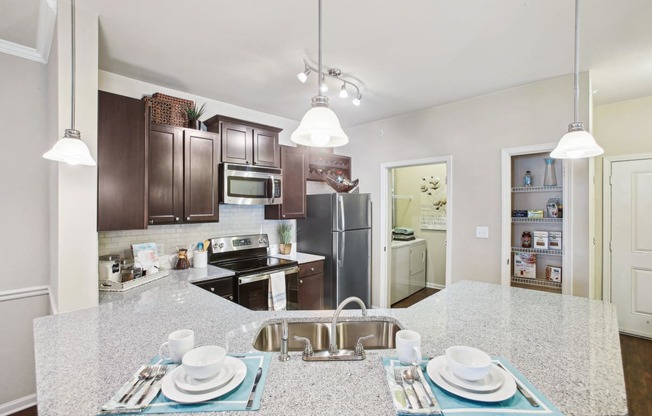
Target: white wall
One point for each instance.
(473, 131)
(129, 87)
(24, 239)
(622, 128)
(408, 214)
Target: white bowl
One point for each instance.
(467, 362)
(204, 362)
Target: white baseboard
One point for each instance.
(17, 405)
(435, 286)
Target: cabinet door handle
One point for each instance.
(230, 297)
(212, 289)
(187, 218)
(151, 221)
(301, 281)
(176, 218)
(312, 269)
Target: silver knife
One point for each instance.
(259, 374)
(520, 388)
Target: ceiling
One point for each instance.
(406, 55)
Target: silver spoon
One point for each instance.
(409, 379)
(417, 378)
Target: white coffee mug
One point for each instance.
(408, 347)
(178, 343)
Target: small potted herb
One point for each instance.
(284, 230)
(194, 114)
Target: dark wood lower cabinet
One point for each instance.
(310, 286)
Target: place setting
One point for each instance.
(463, 381)
(183, 378)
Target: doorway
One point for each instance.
(415, 226)
(628, 241)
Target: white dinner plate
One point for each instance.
(193, 385)
(504, 392)
(172, 392)
(491, 382)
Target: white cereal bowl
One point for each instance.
(204, 362)
(467, 362)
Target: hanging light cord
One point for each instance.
(319, 37)
(577, 62)
(72, 89)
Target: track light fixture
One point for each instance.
(335, 74)
(343, 92)
(303, 76)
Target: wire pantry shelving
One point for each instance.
(537, 189)
(537, 251)
(546, 220)
(537, 282)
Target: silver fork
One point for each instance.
(398, 378)
(144, 373)
(162, 369)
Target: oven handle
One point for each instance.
(256, 278)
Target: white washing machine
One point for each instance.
(408, 274)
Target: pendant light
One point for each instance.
(320, 127)
(71, 149)
(577, 143)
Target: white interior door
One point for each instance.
(631, 245)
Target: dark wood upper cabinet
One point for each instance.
(293, 162)
(165, 174)
(246, 142)
(183, 176)
(266, 149)
(121, 163)
(236, 143)
(201, 157)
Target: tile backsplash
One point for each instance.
(234, 220)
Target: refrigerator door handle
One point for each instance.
(340, 202)
(340, 249)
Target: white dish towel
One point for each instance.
(276, 298)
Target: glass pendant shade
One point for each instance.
(577, 144)
(320, 127)
(71, 150)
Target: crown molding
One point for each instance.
(47, 18)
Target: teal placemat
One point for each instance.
(516, 406)
(235, 400)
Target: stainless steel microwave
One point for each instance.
(250, 185)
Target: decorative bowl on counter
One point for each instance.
(342, 184)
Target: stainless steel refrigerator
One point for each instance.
(338, 227)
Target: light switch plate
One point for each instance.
(481, 232)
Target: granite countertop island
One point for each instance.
(567, 347)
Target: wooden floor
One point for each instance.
(419, 296)
(637, 365)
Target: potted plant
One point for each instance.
(284, 230)
(194, 114)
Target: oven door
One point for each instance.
(253, 290)
(249, 185)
